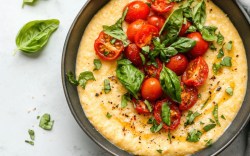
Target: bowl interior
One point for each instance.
(69, 61)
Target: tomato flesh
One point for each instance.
(196, 73)
(184, 28)
(162, 6)
(154, 71)
(140, 107)
(137, 10)
(201, 46)
(132, 52)
(157, 21)
(175, 114)
(133, 28)
(178, 64)
(189, 96)
(151, 89)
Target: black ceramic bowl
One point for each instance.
(230, 7)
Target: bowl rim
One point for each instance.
(70, 105)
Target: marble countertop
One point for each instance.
(31, 85)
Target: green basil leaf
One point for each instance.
(165, 114)
(29, 142)
(215, 114)
(209, 127)
(34, 35)
(123, 62)
(142, 58)
(107, 87)
(29, 2)
(194, 135)
(156, 128)
(130, 77)
(229, 45)
(108, 115)
(208, 33)
(216, 67)
(148, 105)
(229, 91)
(212, 47)
(72, 79)
(166, 53)
(205, 103)
(221, 53)
(145, 49)
(227, 61)
(211, 120)
(125, 99)
(32, 134)
(183, 44)
(173, 26)
(220, 39)
(191, 29)
(45, 122)
(84, 77)
(199, 14)
(223, 117)
(98, 64)
(209, 142)
(191, 117)
(159, 151)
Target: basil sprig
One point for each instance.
(129, 76)
(170, 84)
(34, 35)
(165, 114)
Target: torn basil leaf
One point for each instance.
(159, 151)
(142, 58)
(45, 122)
(84, 77)
(191, 117)
(209, 142)
(148, 105)
(107, 87)
(191, 29)
(71, 78)
(165, 114)
(216, 67)
(32, 134)
(220, 39)
(229, 91)
(28, 2)
(194, 135)
(155, 126)
(125, 99)
(145, 49)
(209, 127)
(221, 53)
(223, 117)
(108, 115)
(208, 33)
(227, 61)
(216, 114)
(229, 45)
(29, 142)
(98, 64)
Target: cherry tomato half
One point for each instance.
(196, 72)
(154, 71)
(137, 10)
(133, 28)
(175, 114)
(184, 28)
(157, 21)
(178, 64)
(151, 89)
(145, 35)
(189, 96)
(140, 106)
(201, 46)
(162, 6)
(132, 52)
(105, 49)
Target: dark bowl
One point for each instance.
(234, 12)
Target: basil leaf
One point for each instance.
(84, 77)
(183, 44)
(116, 30)
(142, 58)
(220, 38)
(223, 117)
(29, 142)
(205, 103)
(170, 84)
(32, 134)
(191, 117)
(29, 2)
(229, 45)
(159, 151)
(191, 29)
(221, 53)
(72, 79)
(229, 91)
(216, 67)
(130, 77)
(145, 49)
(211, 120)
(125, 99)
(156, 128)
(227, 61)
(165, 113)
(215, 114)
(148, 105)
(173, 26)
(199, 14)
(98, 64)
(123, 62)
(194, 135)
(108, 115)
(34, 35)
(208, 33)
(45, 122)
(107, 87)
(212, 47)
(209, 127)
(209, 142)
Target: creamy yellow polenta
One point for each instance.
(130, 131)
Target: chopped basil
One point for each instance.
(148, 105)
(72, 79)
(199, 14)
(113, 41)
(221, 53)
(208, 33)
(108, 115)
(45, 122)
(98, 64)
(194, 135)
(216, 67)
(212, 47)
(205, 103)
(155, 126)
(159, 151)
(125, 99)
(216, 114)
(223, 117)
(29, 142)
(165, 114)
(32, 134)
(209, 142)
(145, 49)
(107, 87)
(229, 91)
(191, 117)
(84, 77)
(143, 58)
(227, 61)
(209, 127)
(229, 45)
(29, 2)
(220, 38)
(211, 120)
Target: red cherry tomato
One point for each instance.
(157, 21)
(137, 10)
(189, 96)
(132, 52)
(153, 71)
(178, 64)
(196, 72)
(145, 35)
(162, 6)
(151, 89)
(175, 114)
(133, 28)
(105, 49)
(201, 45)
(140, 107)
(184, 28)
